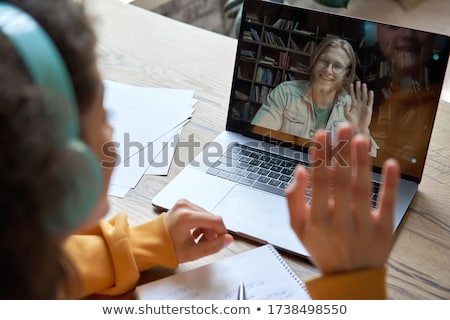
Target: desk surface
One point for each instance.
(142, 48)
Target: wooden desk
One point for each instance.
(142, 48)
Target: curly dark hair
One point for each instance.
(32, 164)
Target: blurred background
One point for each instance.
(429, 15)
(206, 14)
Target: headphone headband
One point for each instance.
(43, 62)
(49, 72)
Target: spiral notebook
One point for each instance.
(265, 274)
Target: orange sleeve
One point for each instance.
(111, 256)
(367, 284)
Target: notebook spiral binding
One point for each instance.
(287, 267)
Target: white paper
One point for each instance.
(145, 113)
(265, 275)
(118, 191)
(162, 160)
(146, 123)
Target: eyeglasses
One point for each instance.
(336, 67)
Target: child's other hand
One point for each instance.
(339, 228)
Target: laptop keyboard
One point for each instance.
(255, 168)
(262, 170)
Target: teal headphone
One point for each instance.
(48, 71)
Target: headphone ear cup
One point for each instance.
(82, 189)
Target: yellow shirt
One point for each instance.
(366, 284)
(110, 257)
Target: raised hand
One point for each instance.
(339, 228)
(195, 233)
(359, 112)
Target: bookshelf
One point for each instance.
(274, 50)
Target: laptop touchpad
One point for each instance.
(198, 187)
(259, 216)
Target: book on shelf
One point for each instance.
(255, 34)
(265, 274)
(269, 38)
(240, 95)
(280, 42)
(299, 67)
(247, 35)
(289, 25)
(268, 61)
(264, 75)
(306, 32)
(332, 35)
(283, 24)
(259, 93)
(279, 23)
(277, 78)
(273, 39)
(283, 59)
(252, 17)
(309, 47)
(256, 94)
(288, 76)
(264, 93)
(294, 45)
(248, 54)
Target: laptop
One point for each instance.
(241, 175)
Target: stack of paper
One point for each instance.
(147, 123)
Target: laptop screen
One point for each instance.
(289, 59)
